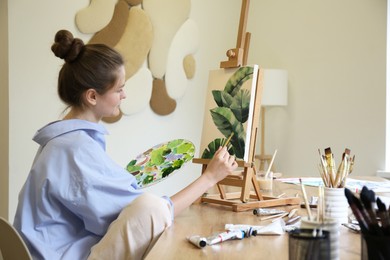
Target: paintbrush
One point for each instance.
(305, 199)
(352, 162)
(368, 199)
(226, 143)
(384, 216)
(347, 166)
(323, 170)
(320, 205)
(293, 220)
(270, 164)
(274, 216)
(353, 203)
(330, 166)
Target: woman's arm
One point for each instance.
(219, 167)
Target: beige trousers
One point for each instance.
(135, 231)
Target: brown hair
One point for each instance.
(86, 66)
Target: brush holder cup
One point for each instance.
(330, 225)
(336, 204)
(304, 245)
(375, 247)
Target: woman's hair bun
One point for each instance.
(66, 47)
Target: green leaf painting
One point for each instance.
(237, 79)
(231, 112)
(240, 105)
(160, 161)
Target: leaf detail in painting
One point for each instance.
(224, 120)
(238, 142)
(217, 94)
(235, 82)
(240, 105)
(227, 99)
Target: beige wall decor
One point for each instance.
(152, 32)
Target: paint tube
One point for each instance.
(267, 212)
(197, 241)
(247, 229)
(234, 234)
(241, 227)
(274, 228)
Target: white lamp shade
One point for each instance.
(275, 83)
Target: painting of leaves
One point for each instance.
(228, 109)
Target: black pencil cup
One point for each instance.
(303, 245)
(375, 247)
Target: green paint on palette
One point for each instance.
(160, 161)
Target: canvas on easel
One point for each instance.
(229, 111)
(233, 108)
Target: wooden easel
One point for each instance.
(246, 199)
(262, 157)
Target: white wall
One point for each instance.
(3, 108)
(335, 54)
(333, 50)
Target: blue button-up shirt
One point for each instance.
(73, 191)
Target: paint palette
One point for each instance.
(160, 161)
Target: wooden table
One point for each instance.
(208, 219)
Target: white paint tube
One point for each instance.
(247, 229)
(242, 227)
(274, 228)
(233, 234)
(197, 241)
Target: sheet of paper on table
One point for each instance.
(352, 184)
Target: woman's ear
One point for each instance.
(90, 97)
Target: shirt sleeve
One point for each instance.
(94, 187)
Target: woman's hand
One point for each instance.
(221, 165)
(217, 169)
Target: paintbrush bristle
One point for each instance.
(381, 205)
(328, 150)
(365, 197)
(349, 195)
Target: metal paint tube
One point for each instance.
(233, 234)
(197, 241)
(267, 212)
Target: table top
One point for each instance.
(207, 219)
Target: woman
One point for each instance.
(77, 203)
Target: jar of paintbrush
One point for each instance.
(374, 224)
(320, 222)
(335, 179)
